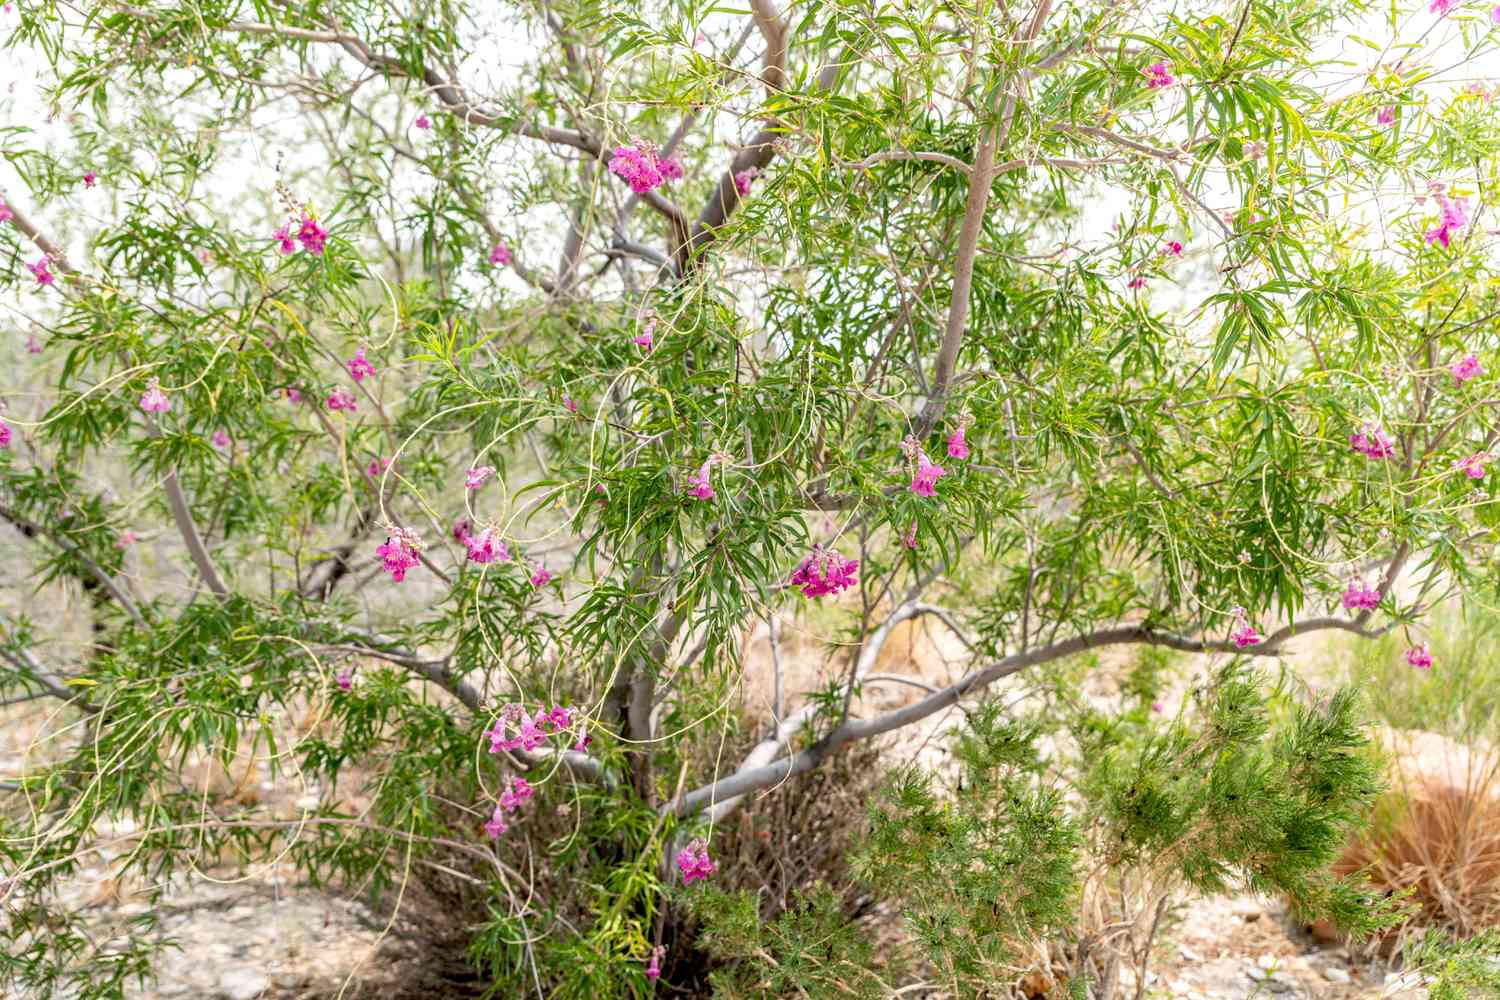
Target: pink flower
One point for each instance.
(500, 254)
(1360, 597)
(1158, 75)
(126, 540)
(638, 166)
(569, 405)
(423, 122)
(646, 339)
(1454, 216)
(154, 400)
(312, 236)
(924, 481)
(824, 573)
(40, 270)
(485, 548)
(1173, 248)
(1419, 657)
(399, 553)
(1372, 442)
(359, 367)
(1495, 15)
(517, 795)
(744, 179)
(5, 213)
(1386, 115)
(376, 467)
(342, 399)
(957, 446)
(461, 529)
(701, 489)
(1442, 8)
(221, 439)
(89, 179)
(478, 476)
(693, 861)
(653, 967)
(4, 434)
(1243, 634)
(1465, 369)
(286, 244)
(33, 346)
(345, 678)
(910, 538)
(1136, 283)
(496, 826)
(541, 577)
(292, 395)
(1157, 707)
(671, 170)
(1473, 466)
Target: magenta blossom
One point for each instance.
(126, 540)
(653, 967)
(376, 467)
(924, 480)
(1158, 75)
(1361, 597)
(33, 346)
(1419, 657)
(700, 487)
(485, 547)
(500, 254)
(744, 179)
(286, 242)
(292, 395)
(825, 572)
(569, 404)
(1466, 368)
(89, 179)
(1386, 115)
(345, 678)
(541, 577)
(1136, 283)
(5, 434)
(312, 236)
(221, 439)
(1454, 216)
(1372, 442)
(1442, 8)
(1173, 248)
(423, 122)
(910, 538)
(496, 825)
(5, 213)
(1495, 15)
(1157, 707)
(1244, 634)
(154, 400)
(694, 863)
(646, 339)
(639, 167)
(671, 169)
(1473, 466)
(517, 795)
(399, 553)
(957, 446)
(478, 476)
(41, 270)
(342, 399)
(359, 366)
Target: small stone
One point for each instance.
(1336, 975)
(243, 984)
(1189, 955)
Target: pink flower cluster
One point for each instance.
(312, 236)
(1158, 75)
(345, 678)
(90, 179)
(1386, 115)
(694, 863)
(1243, 634)
(1361, 597)
(531, 730)
(640, 167)
(1442, 8)
(958, 447)
(541, 576)
(485, 547)
(1454, 216)
(4, 434)
(399, 553)
(825, 572)
(1466, 368)
(41, 270)
(744, 179)
(1419, 657)
(699, 486)
(342, 399)
(647, 337)
(221, 439)
(359, 366)
(500, 254)
(1372, 442)
(511, 800)
(377, 467)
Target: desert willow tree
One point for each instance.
(480, 374)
